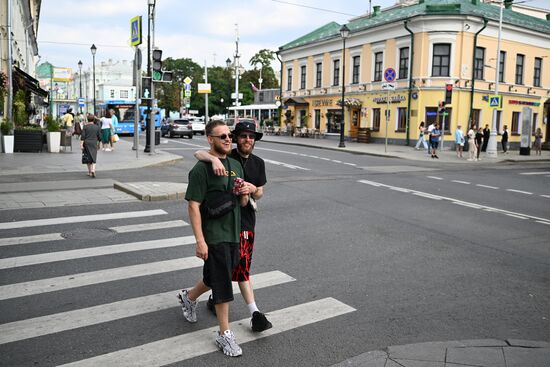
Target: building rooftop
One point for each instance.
(424, 8)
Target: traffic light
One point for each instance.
(167, 76)
(448, 93)
(145, 87)
(157, 65)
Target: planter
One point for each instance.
(7, 143)
(27, 141)
(54, 141)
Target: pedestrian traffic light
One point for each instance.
(448, 93)
(441, 108)
(157, 65)
(145, 87)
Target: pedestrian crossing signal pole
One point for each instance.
(442, 113)
(150, 117)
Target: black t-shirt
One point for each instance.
(254, 172)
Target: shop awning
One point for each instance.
(295, 101)
(30, 83)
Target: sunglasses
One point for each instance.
(223, 136)
(247, 136)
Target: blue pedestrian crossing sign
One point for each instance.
(135, 31)
(389, 75)
(495, 101)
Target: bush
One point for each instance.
(54, 125)
(20, 114)
(6, 127)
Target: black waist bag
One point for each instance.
(219, 203)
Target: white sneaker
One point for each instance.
(228, 344)
(188, 307)
(107, 150)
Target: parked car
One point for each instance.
(177, 127)
(198, 126)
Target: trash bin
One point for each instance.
(157, 137)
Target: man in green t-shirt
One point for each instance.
(217, 239)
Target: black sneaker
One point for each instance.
(260, 322)
(210, 305)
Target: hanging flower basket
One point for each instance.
(350, 102)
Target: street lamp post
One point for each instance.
(236, 62)
(93, 49)
(344, 32)
(80, 77)
(260, 80)
(492, 145)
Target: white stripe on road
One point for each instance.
(149, 226)
(79, 218)
(30, 239)
(95, 277)
(197, 343)
(534, 173)
(291, 166)
(350, 164)
(44, 325)
(456, 201)
(121, 229)
(15, 262)
(435, 177)
(545, 196)
(461, 182)
(520, 192)
(516, 216)
(543, 222)
(488, 187)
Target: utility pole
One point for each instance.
(492, 145)
(237, 67)
(205, 94)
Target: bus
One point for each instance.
(125, 113)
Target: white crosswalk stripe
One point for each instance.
(194, 344)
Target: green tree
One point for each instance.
(169, 94)
(263, 59)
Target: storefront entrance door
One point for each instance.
(355, 122)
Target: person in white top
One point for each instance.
(472, 144)
(106, 128)
(421, 131)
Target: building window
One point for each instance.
(378, 61)
(124, 93)
(261, 97)
(336, 70)
(441, 59)
(519, 68)
(476, 118)
(317, 119)
(538, 69)
(515, 123)
(479, 62)
(376, 119)
(289, 79)
(499, 121)
(318, 75)
(112, 93)
(432, 116)
(403, 63)
(401, 119)
(303, 77)
(534, 124)
(356, 65)
(501, 67)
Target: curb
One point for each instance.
(153, 191)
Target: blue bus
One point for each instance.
(125, 113)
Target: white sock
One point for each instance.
(252, 308)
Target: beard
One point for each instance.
(221, 149)
(245, 149)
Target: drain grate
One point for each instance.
(88, 233)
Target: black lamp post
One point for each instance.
(93, 49)
(80, 77)
(344, 32)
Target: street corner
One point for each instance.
(153, 191)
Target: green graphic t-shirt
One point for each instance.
(202, 184)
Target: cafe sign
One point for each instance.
(321, 102)
(393, 99)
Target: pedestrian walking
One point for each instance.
(114, 123)
(486, 137)
(537, 144)
(245, 135)
(429, 137)
(504, 139)
(68, 119)
(217, 236)
(421, 131)
(434, 140)
(479, 139)
(89, 141)
(472, 144)
(79, 122)
(106, 130)
(459, 141)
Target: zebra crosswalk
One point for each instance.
(45, 248)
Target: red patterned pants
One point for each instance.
(241, 273)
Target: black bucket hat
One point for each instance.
(246, 126)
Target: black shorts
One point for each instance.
(217, 269)
(241, 273)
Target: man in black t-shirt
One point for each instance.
(245, 135)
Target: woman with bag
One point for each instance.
(88, 144)
(106, 129)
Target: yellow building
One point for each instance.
(432, 46)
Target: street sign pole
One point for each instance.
(389, 76)
(387, 119)
(442, 129)
(137, 116)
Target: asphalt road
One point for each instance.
(418, 251)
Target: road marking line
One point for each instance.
(149, 226)
(543, 222)
(545, 196)
(80, 218)
(455, 201)
(425, 195)
(350, 164)
(520, 192)
(291, 166)
(461, 182)
(516, 216)
(9, 241)
(15, 262)
(534, 173)
(435, 177)
(399, 189)
(63, 321)
(475, 206)
(96, 277)
(325, 159)
(336, 161)
(197, 343)
(488, 187)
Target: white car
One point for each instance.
(198, 127)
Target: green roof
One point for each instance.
(428, 7)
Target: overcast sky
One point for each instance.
(200, 30)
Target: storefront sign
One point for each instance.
(393, 99)
(524, 103)
(321, 102)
